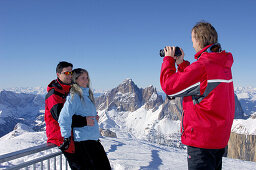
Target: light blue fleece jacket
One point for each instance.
(79, 107)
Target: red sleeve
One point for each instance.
(183, 65)
(181, 83)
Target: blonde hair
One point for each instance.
(76, 89)
(205, 34)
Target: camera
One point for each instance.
(177, 52)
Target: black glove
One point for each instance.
(64, 146)
(79, 121)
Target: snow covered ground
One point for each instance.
(247, 127)
(124, 152)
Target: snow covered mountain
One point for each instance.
(20, 108)
(123, 101)
(124, 152)
(128, 97)
(247, 98)
(139, 112)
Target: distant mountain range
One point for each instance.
(27, 90)
(245, 95)
(41, 90)
(143, 113)
(26, 105)
(247, 99)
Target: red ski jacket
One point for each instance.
(54, 101)
(208, 97)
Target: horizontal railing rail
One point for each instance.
(33, 150)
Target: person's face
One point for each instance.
(65, 78)
(82, 80)
(196, 44)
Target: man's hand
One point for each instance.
(64, 146)
(170, 51)
(179, 59)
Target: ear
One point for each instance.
(58, 75)
(200, 45)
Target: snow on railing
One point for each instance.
(36, 163)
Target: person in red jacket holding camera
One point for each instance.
(208, 96)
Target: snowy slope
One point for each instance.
(124, 152)
(247, 127)
(142, 124)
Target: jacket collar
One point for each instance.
(198, 54)
(85, 91)
(65, 87)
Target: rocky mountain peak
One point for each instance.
(127, 86)
(152, 99)
(129, 97)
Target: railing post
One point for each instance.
(48, 163)
(60, 162)
(42, 165)
(66, 164)
(54, 160)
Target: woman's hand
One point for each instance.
(97, 118)
(90, 120)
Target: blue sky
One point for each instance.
(116, 39)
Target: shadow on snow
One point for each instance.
(113, 148)
(156, 161)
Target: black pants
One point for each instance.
(92, 155)
(73, 160)
(204, 159)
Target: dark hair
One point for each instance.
(62, 65)
(205, 34)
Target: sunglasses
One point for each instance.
(67, 73)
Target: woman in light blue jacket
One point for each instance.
(80, 101)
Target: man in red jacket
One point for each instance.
(57, 91)
(208, 96)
